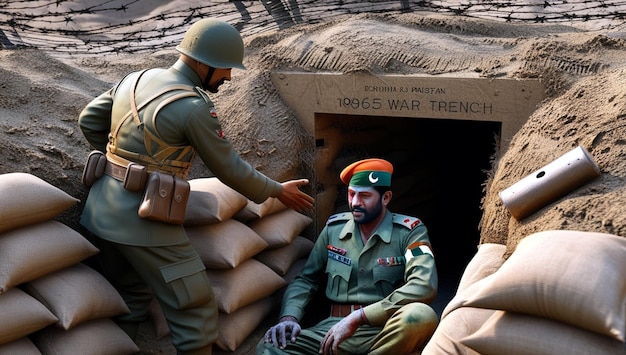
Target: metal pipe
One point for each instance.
(549, 183)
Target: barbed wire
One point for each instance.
(95, 27)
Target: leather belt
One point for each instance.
(342, 310)
(115, 171)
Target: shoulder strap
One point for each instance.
(152, 139)
(134, 111)
(163, 149)
(112, 146)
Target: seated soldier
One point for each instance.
(381, 278)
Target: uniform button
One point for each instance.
(361, 271)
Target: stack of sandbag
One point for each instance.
(50, 302)
(560, 292)
(248, 249)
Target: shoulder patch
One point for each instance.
(406, 221)
(343, 216)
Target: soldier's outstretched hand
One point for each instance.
(292, 197)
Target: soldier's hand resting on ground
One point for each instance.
(340, 332)
(292, 197)
(286, 330)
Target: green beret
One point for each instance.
(368, 172)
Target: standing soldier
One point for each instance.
(380, 274)
(155, 121)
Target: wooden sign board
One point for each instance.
(509, 101)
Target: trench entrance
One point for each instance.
(441, 133)
(440, 167)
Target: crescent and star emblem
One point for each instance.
(373, 179)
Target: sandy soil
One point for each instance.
(584, 72)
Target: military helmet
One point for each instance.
(214, 43)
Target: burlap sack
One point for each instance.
(77, 294)
(519, 334)
(255, 210)
(485, 262)
(212, 201)
(22, 346)
(27, 199)
(243, 285)
(234, 328)
(225, 245)
(22, 315)
(33, 251)
(281, 259)
(280, 229)
(94, 337)
(569, 276)
(455, 326)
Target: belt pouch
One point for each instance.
(94, 167)
(165, 198)
(135, 178)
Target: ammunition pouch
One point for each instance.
(94, 168)
(165, 198)
(135, 177)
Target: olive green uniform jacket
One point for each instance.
(395, 267)
(111, 211)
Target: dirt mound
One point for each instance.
(591, 114)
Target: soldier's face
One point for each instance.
(365, 203)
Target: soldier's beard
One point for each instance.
(367, 215)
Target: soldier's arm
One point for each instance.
(206, 135)
(95, 121)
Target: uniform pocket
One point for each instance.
(388, 278)
(339, 276)
(189, 281)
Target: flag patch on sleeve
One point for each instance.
(417, 249)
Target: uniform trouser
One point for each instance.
(177, 279)
(408, 329)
